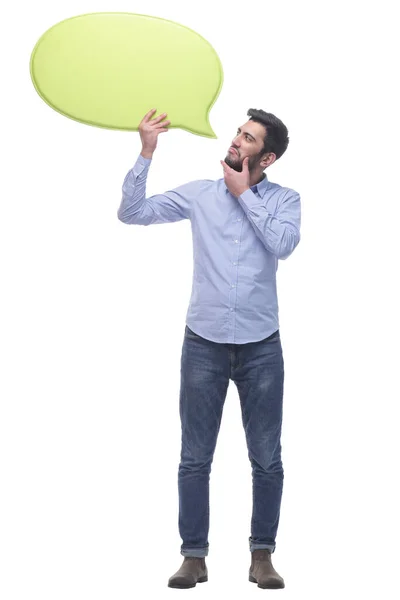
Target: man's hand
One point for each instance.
(149, 129)
(236, 182)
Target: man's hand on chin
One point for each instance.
(237, 183)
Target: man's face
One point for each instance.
(249, 141)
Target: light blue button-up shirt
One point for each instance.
(236, 246)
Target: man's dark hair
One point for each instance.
(276, 139)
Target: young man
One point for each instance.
(241, 225)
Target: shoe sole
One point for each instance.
(271, 586)
(185, 586)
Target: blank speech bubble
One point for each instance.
(110, 69)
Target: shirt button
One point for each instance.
(236, 241)
(239, 219)
(235, 263)
(233, 285)
(231, 309)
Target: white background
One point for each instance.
(93, 315)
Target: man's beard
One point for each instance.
(233, 161)
(236, 165)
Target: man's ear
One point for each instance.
(267, 160)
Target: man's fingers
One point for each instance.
(147, 116)
(225, 166)
(156, 120)
(163, 124)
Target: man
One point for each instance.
(241, 225)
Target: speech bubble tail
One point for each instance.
(207, 129)
(211, 134)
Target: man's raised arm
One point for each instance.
(169, 207)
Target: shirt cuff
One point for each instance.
(249, 200)
(141, 165)
(143, 161)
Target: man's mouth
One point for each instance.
(233, 150)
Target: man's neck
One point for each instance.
(256, 178)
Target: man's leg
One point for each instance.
(205, 370)
(259, 377)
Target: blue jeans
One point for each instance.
(257, 369)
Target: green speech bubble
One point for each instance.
(110, 69)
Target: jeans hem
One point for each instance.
(195, 552)
(260, 546)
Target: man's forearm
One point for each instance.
(134, 192)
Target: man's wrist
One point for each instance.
(242, 191)
(147, 153)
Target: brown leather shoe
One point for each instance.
(193, 570)
(262, 571)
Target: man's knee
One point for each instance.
(195, 463)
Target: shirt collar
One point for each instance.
(261, 186)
